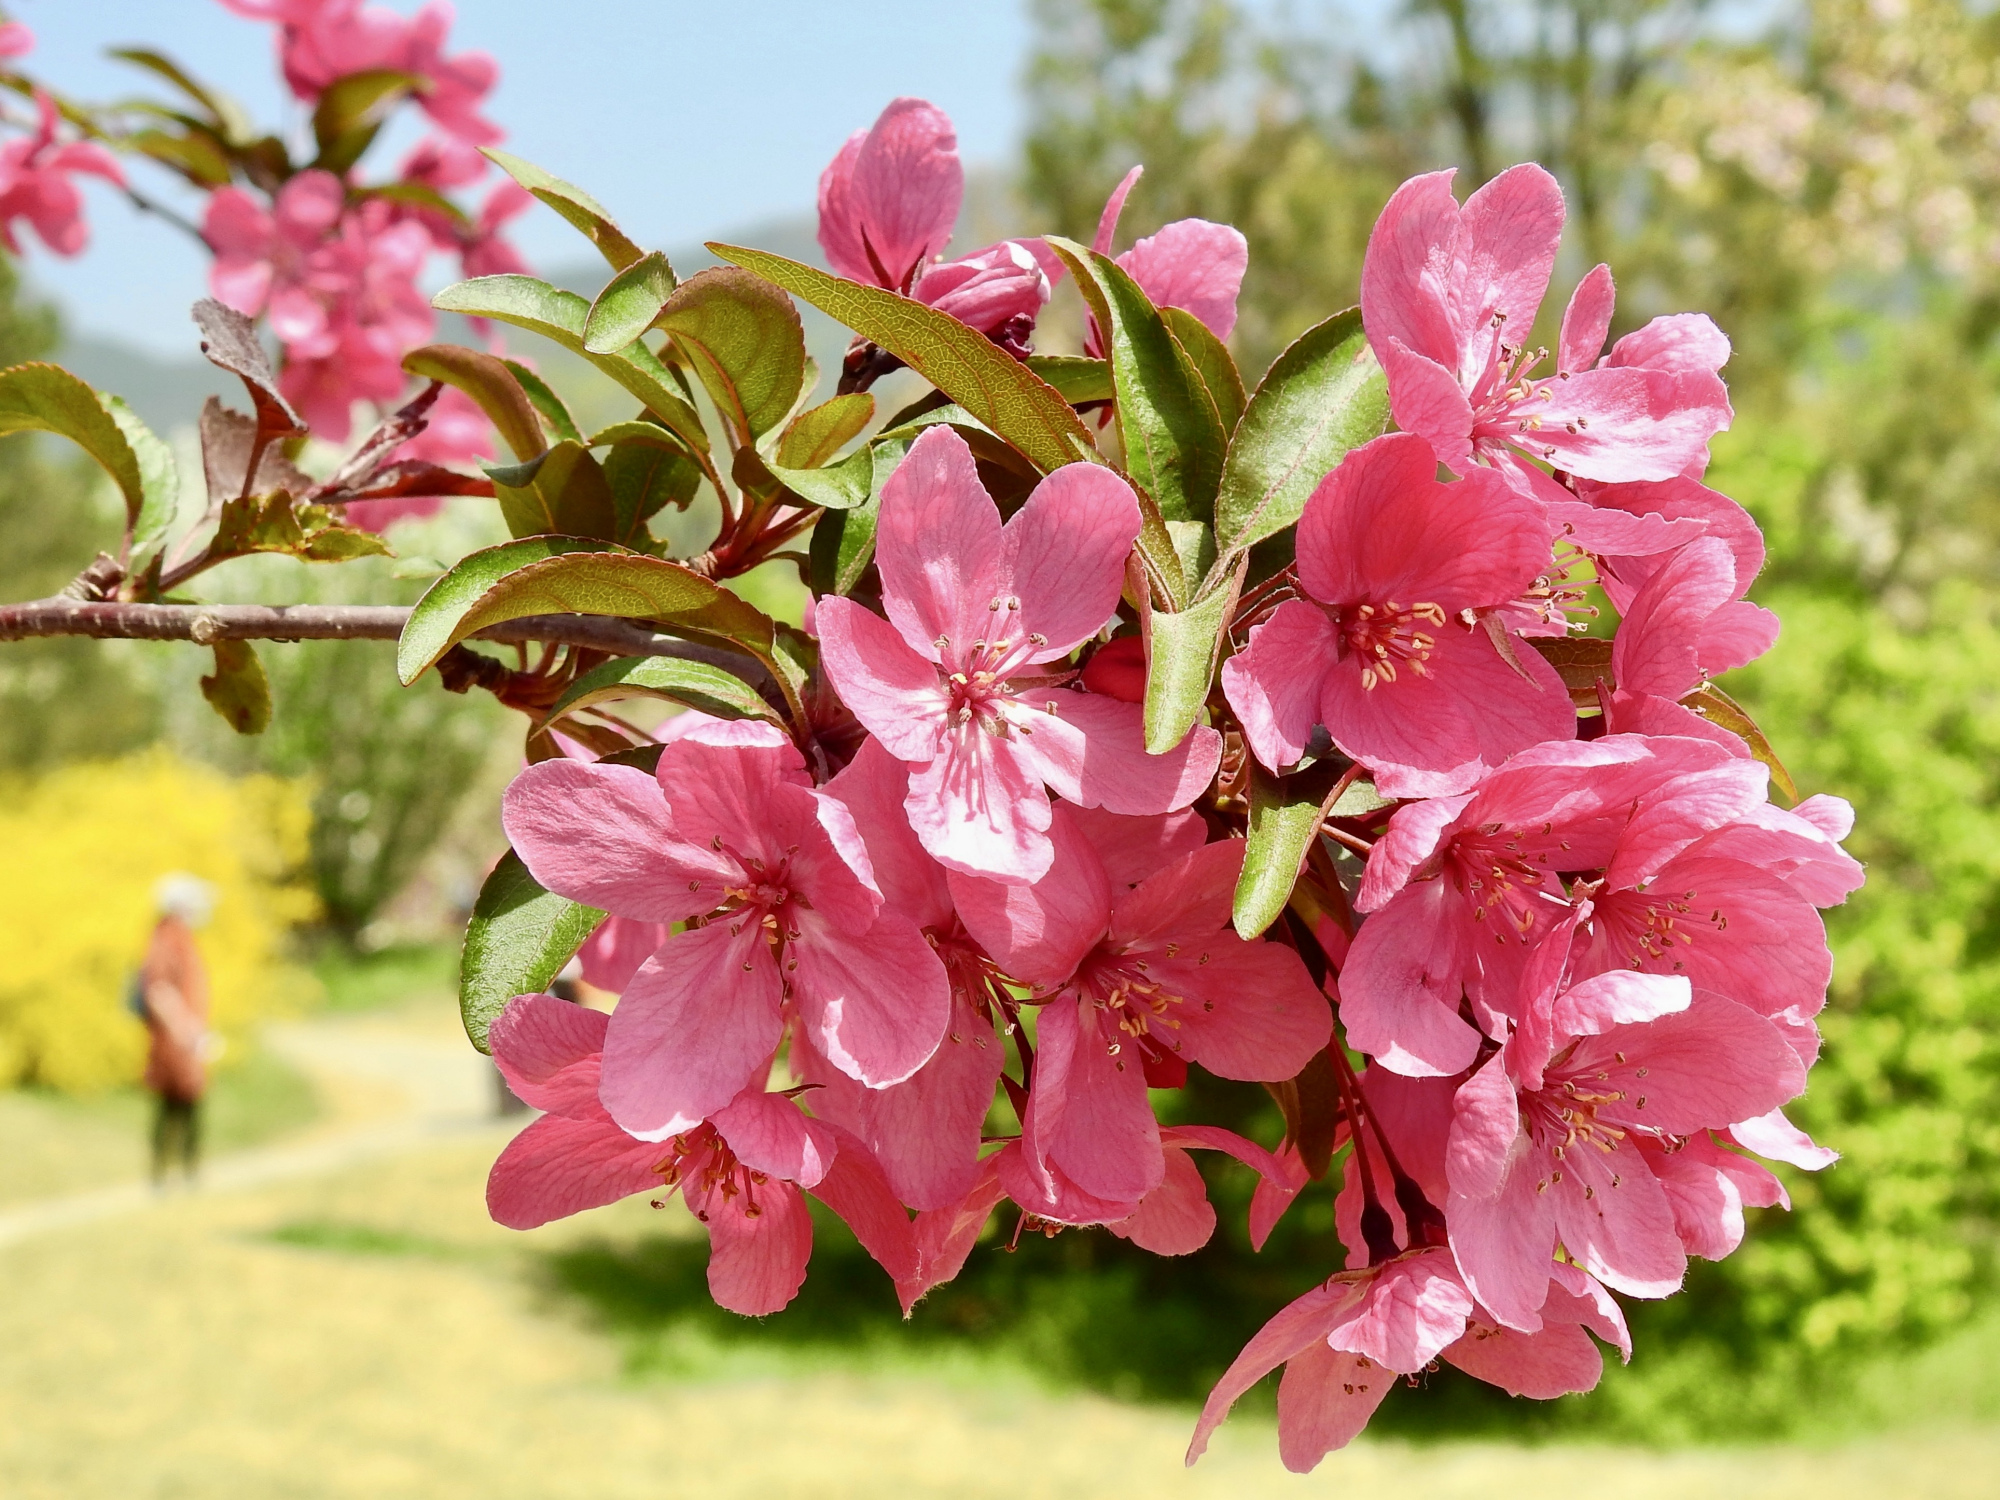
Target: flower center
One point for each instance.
(1561, 1118)
(975, 675)
(703, 1167)
(1386, 638)
(1508, 893)
(1666, 923)
(1138, 1006)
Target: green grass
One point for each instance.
(58, 1144)
(388, 978)
(341, 1237)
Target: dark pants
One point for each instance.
(176, 1135)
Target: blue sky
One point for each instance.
(688, 118)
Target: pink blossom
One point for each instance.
(1345, 1346)
(325, 40)
(1463, 889)
(16, 40)
(965, 680)
(1733, 912)
(1449, 294)
(926, 1131)
(1132, 983)
(741, 1171)
(785, 921)
(612, 954)
(1191, 264)
(1545, 1143)
(998, 291)
(1176, 1217)
(1396, 648)
(35, 182)
(1686, 623)
(888, 201)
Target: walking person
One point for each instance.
(174, 988)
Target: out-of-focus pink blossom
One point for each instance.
(1397, 647)
(964, 681)
(35, 185)
(1450, 294)
(322, 41)
(16, 40)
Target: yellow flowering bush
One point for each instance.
(80, 851)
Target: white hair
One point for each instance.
(186, 896)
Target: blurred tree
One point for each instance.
(390, 766)
(59, 699)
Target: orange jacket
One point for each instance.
(176, 987)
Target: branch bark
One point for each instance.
(206, 624)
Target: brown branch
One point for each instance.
(206, 624)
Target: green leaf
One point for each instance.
(518, 940)
(1182, 651)
(574, 204)
(1322, 396)
(562, 492)
(571, 580)
(629, 303)
(746, 344)
(195, 155)
(1285, 814)
(1582, 661)
(276, 523)
(47, 398)
(559, 317)
(1720, 709)
(434, 625)
(555, 416)
(223, 112)
(1174, 439)
(238, 690)
(418, 195)
(159, 474)
(352, 109)
(645, 478)
(489, 382)
(1212, 361)
(843, 543)
(1075, 379)
(840, 486)
(968, 367)
(812, 438)
(692, 684)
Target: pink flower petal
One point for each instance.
(1586, 322)
(1554, 1362)
(1193, 265)
(756, 1266)
(1772, 1135)
(892, 690)
(602, 835)
(938, 546)
(1063, 557)
(979, 808)
(697, 1026)
(1296, 1328)
(1087, 1111)
(1114, 208)
(767, 1134)
(1277, 702)
(1325, 1399)
(874, 787)
(874, 1003)
(1040, 932)
(1679, 341)
(1506, 249)
(1412, 1309)
(856, 1189)
(1095, 754)
(1131, 849)
(888, 201)
(1616, 424)
(560, 1166)
(548, 1050)
(1425, 398)
(1406, 275)
(1176, 1218)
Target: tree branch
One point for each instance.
(206, 624)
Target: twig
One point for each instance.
(206, 624)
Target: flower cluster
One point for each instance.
(335, 265)
(36, 169)
(934, 947)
